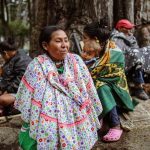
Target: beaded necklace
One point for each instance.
(60, 66)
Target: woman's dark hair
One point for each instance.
(8, 45)
(98, 30)
(46, 32)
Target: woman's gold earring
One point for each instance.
(45, 48)
(97, 41)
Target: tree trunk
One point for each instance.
(4, 18)
(40, 21)
(142, 11)
(129, 9)
(75, 14)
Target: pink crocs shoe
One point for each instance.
(112, 135)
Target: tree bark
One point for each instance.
(75, 14)
(4, 18)
(129, 9)
(40, 21)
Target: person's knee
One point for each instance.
(6, 99)
(2, 101)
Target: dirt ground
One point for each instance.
(138, 139)
(136, 135)
(133, 140)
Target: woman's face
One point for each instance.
(58, 46)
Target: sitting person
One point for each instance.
(135, 58)
(143, 37)
(106, 64)
(11, 73)
(57, 98)
(142, 34)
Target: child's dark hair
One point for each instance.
(95, 29)
(8, 45)
(46, 32)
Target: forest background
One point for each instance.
(23, 19)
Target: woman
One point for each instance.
(57, 98)
(106, 64)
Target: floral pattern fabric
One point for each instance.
(62, 109)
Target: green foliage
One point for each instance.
(18, 28)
